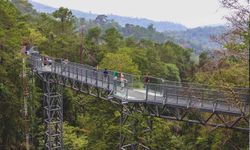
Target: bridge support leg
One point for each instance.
(53, 111)
(123, 118)
(132, 142)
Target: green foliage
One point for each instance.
(94, 34)
(203, 58)
(92, 40)
(119, 62)
(65, 16)
(172, 72)
(13, 31)
(36, 37)
(113, 38)
(140, 33)
(139, 57)
(73, 138)
(236, 75)
(91, 123)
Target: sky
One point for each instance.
(191, 13)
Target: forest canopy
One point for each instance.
(89, 122)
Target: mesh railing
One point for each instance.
(134, 88)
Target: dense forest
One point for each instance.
(95, 126)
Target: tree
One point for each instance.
(224, 65)
(229, 67)
(203, 58)
(101, 19)
(236, 39)
(151, 28)
(119, 62)
(172, 72)
(35, 37)
(13, 32)
(93, 35)
(139, 57)
(113, 38)
(66, 17)
(73, 138)
(91, 44)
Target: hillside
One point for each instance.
(197, 38)
(160, 26)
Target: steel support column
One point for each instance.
(126, 114)
(53, 113)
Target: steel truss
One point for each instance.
(53, 113)
(84, 87)
(171, 112)
(205, 117)
(133, 143)
(209, 118)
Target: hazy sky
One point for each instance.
(191, 13)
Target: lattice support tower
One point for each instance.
(53, 112)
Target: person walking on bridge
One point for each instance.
(105, 75)
(115, 80)
(123, 81)
(146, 81)
(94, 75)
(64, 64)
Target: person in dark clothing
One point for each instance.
(45, 61)
(146, 79)
(105, 74)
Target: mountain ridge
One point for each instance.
(160, 26)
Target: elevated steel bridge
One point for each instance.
(209, 106)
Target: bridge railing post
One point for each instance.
(189, 99)
(77, 73)
(177, 95)
(155, 89)
(202, 97)
(39, 64)
(96, 77)
(68, 70)
(127, 88)
(61, 68)
(91, 75)
(115, 85)
(146, 86)
(81, 74)
(86, 78)
(108, 82)
(52, 67)
(165, 94)
(55, 66)
(101, 78)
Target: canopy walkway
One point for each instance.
(194, 103)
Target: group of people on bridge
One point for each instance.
(118, 77)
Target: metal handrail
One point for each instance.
(96, 77)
